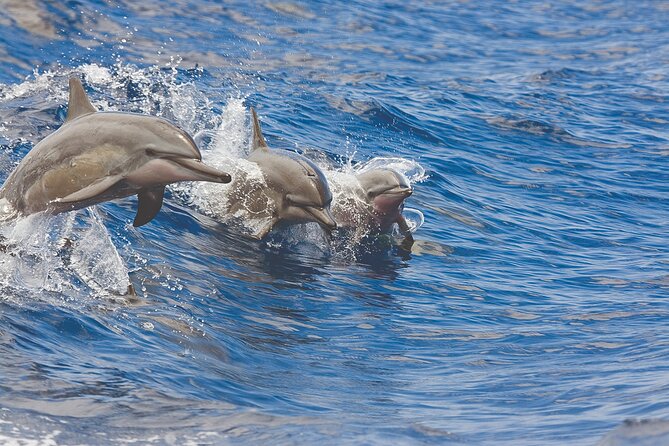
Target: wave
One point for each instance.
(384, 115)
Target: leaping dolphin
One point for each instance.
(100, 156)
(377, 203)
(295, 186)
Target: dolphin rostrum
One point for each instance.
(295, 190)
(377, 203)
(99, 156)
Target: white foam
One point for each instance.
(227, 152)
(67, 252)
(38, 83)
(411, 169)
(96, 74)
(9, 441)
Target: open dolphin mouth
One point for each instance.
(391, 200)
(323, 217)
(200, 171)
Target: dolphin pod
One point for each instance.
(100, 156)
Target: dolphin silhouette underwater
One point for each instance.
(295, 189)
(375, 203)
(100, 156)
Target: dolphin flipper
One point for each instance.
(149, 203)
(404, 226)
(262, 232)
(92, 190)
(407, 242)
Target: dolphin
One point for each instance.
(632, 432)
(100, 156)
(376, 202)
(295, 191)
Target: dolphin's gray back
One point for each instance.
(81, 151)
(638, 433)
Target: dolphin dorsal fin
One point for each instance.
(78, 104)
(258, 139)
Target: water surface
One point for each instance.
(530, 310)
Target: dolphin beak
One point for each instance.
(400, 191)
(202, 172)
(323, 217)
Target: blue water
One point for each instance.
(531, 309)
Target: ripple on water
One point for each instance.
(531, 307)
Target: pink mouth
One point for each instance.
(391, 202)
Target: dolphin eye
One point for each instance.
(150, 152)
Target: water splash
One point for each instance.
(414, 218)
(37, 83)
(227, 151)
(411, 169)
(69, 254)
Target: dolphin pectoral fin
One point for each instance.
(407, 242)
(403, 225)
(258, 139)
(262, 232)
(78, 104)
(149, 203)
(92, 190)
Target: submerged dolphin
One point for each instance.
(644, 432)
(99, 156)
(296, 190)
(377, 203)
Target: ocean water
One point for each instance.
(531, 309)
